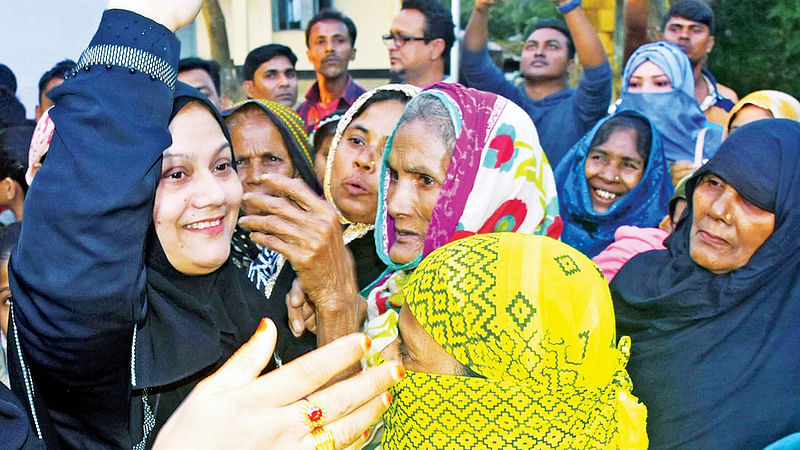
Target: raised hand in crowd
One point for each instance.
(323, 264)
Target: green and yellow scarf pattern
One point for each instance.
(534, 318)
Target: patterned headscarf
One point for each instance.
(676, 114)
(533, 317)
(356, 230)
(780, 104)
(265, 267)
(498, 180)
(644, 206)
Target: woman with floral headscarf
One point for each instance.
(508, 341)
(460, 162)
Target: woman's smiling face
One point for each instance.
(613, 168)
(198, 196)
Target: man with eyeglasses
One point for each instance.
(561, 114)
(419, 42)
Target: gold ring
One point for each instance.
(323, 439)
(313, 415)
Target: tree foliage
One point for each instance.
(757, 45)
(511, 17)
(757, 41)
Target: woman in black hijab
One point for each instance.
(713, 319)
(125, 293)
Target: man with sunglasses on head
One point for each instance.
(419, 42)
(561, 114)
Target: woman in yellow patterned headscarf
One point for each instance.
(762, 105)
(509, 340)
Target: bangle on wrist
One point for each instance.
(567, 7)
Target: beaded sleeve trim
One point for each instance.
(133, 59)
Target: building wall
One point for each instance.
(601, 14)
(249, 25)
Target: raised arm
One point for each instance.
(636, 13)
(77, 275)
(587, 42)
(477, 33)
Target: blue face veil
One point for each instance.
(676, 114)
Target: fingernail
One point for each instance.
(398, 372)
(262, 326)
(297, 326)
(387, 398)
(366, 344)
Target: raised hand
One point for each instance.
(173, 14)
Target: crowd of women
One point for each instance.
(415, 234)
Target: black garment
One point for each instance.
(715, 357)
(113, 336)
(368, 264)
(15, 431)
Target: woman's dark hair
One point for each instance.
(381, 96)
(326, 128)
(14, 144)
(644, 136)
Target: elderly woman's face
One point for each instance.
(417, 350)
(727, 229)
(648, 77)
(418, 165)
(354, 176)
(198, 197)
(613, 168)
(259, 149)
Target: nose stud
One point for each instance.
(728, 217)
(617, 178)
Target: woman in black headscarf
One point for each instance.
(713, 318)
(125, 294)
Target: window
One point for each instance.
(295, 14)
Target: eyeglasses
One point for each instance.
(400, 40)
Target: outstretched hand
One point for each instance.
(173, 14)
(237, 408)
